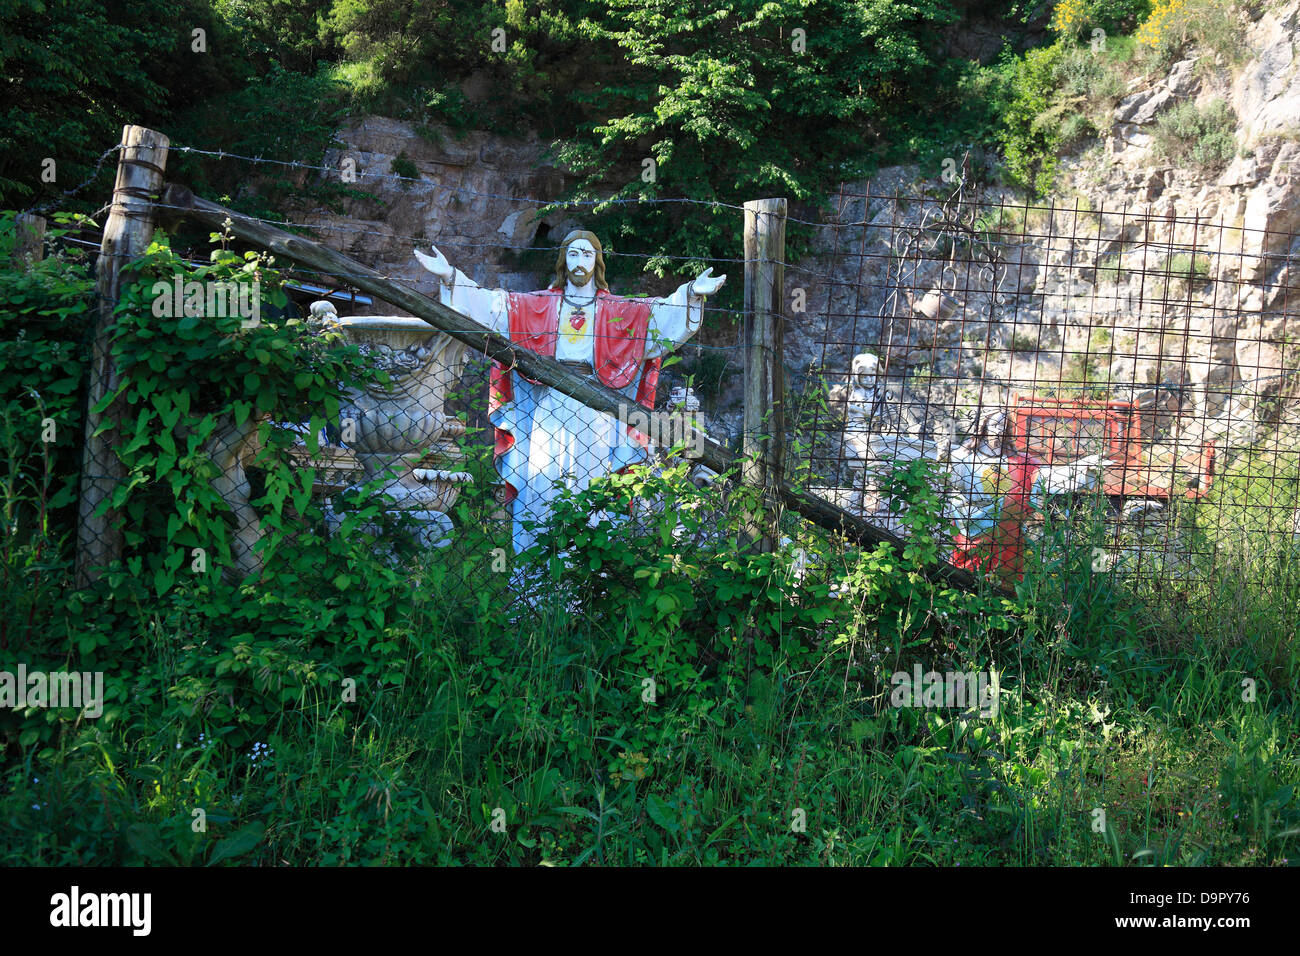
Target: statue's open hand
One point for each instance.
(437, 264)
(707, 283)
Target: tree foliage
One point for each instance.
(735, 103)
(76, 71)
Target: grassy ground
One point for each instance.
(651, 731)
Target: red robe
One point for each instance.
(618, 350)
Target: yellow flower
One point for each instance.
(1068, 13)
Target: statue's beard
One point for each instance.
(579, 276)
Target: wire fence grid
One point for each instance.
(1119, 386)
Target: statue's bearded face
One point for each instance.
(580, 262)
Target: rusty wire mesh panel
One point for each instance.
(1082, 382)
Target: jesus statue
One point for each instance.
(545, 440)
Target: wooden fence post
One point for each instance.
(764, 439)
(29, 239)
(132, 216)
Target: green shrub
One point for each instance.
(403, 167)
(45, 313)
(278, 115)
(1185, 265)
(182, 378)
(1060, 96)
(1030, 134)
(1075, 129)
(1205, 137)
(683, 600)
(1095, 77)
(1110, 268)
(1174, 24)
(1077, 19)
(1118, 16)
(76, 72)
(794, 113)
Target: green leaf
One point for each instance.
(146, 839)
(238, 843)
(661, 812)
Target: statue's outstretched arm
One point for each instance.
(705, 284)
(678, 317)
(487, 307)
(437, 264)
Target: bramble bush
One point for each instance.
(232, 651)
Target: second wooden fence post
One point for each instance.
(764, 439)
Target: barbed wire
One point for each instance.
(1054, 210)
(69, 193)
(475, 328)
(469, 244)
(832, 280)
(394, 177)
(1169, 248)
(324, 227)
(1000, 205)
(845, 197)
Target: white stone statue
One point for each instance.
(545, 440)
(865, 394)
(400, 430)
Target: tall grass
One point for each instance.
(1123, 736)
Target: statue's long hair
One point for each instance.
(562, 269)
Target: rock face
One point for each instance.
(1140, 277)
(1244, 221)
(476, 198)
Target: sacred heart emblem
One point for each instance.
(577, 319)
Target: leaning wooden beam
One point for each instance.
(179, 202)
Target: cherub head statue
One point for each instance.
(866, 368)
(581, 258)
